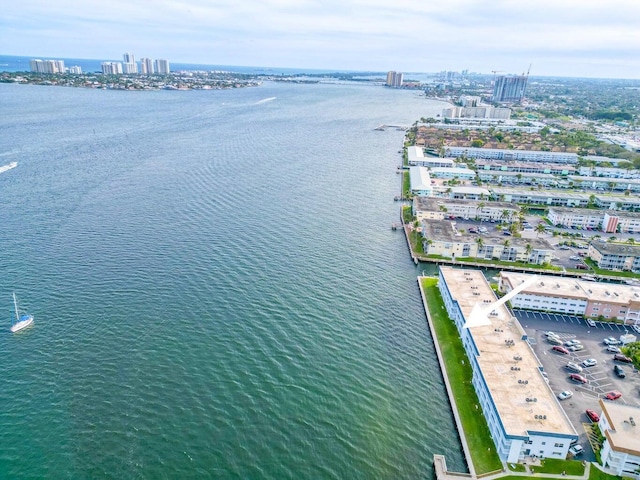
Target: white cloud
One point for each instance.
(373, 34)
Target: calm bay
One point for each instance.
(216, 288)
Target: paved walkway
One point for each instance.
(440, 465)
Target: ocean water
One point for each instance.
(216, 288)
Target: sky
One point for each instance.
(577, 38)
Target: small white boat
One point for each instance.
(22, 321)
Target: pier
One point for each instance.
(382, 128)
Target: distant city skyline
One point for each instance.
(569, 38)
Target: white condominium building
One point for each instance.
(162, 66)
(146, 66)
(46, 66)
(522, 412)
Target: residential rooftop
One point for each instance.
(569, 287)
(610, 248)
(524, 401)
(624, 436)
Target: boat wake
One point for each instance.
(264, 100)
(9, 166)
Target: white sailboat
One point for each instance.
(22, 321)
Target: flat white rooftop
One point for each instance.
(523, 399)
(625, 422)
(567, 287)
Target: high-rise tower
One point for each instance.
(509, 88)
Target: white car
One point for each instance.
(576, 347)
(591, 323)
(610, 341)
(574, 367)
(564, 395)
(576, 450)
(613, 349)
(589, 362)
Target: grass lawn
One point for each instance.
(406, 184)
(483, 451)
(596, 474)
(600, 271)
(557, 466)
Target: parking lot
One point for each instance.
(601, 377)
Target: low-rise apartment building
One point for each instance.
(576, 217)
(540, 197)
(574, 297)
(420, 181)
(417, 158)
(440, 237)
(522, 412)
(545, 179)
(525, 167)
(511, 155)
(430, 208)
(620, 425)
(606, 184)
(460, 173)
(615, 256)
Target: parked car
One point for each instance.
(560, 349)
(581, 266)
(591, 323)
(550, 334)
(578, 378)
(554, 341)
(574, 367)
(589, 362)
(576, 450)
(611, 341)
(613, 395)
(621, 358)
(619, 371)
(574, 257)
(565, 394)
(613, 349)
(593, 415)
(571, 343)
(577, 347)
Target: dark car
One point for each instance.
(578, 378)
(618, 357)
(560, 349)
(619, 371)
(593, 415)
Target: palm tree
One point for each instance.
(539, 229)
(528, 249)
(506, 243)
(480, 243)
(480, 206)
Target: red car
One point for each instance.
(578, 378)
(613, 395)
(560, 349)
(593, 415)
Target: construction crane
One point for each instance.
(526, 81)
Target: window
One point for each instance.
(559, 445)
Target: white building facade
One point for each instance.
(620, 425)
(522, 413)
